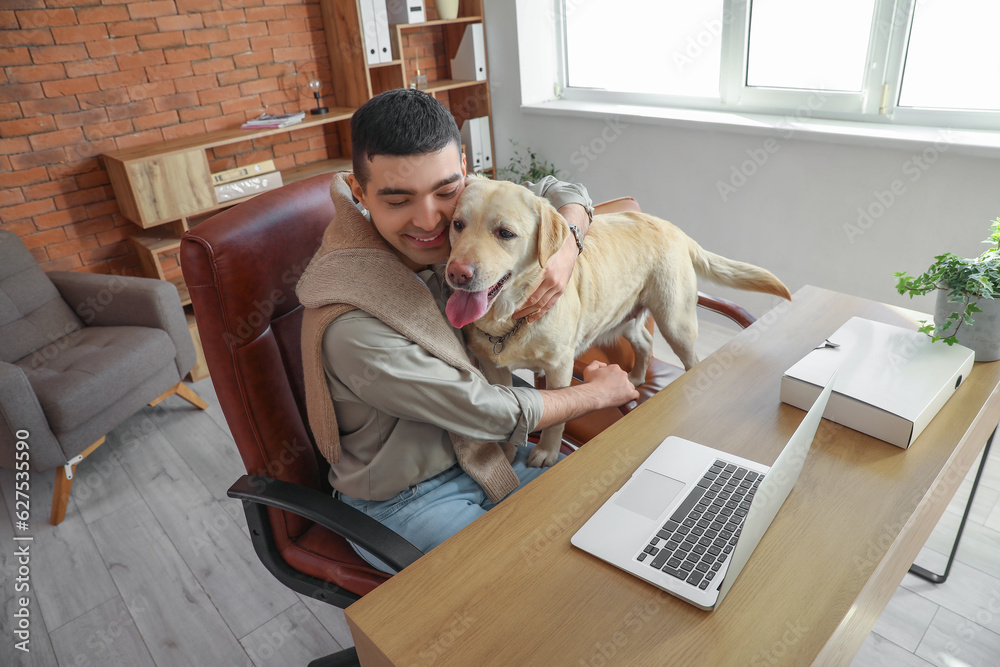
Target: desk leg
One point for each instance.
(346, 658)
(933, 577)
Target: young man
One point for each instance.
(407, 422)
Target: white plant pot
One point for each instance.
(983, 337)
(447, 9)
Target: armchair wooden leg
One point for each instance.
(64, 482)
(185, 392)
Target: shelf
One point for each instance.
(314, 168)
(182, 288)
(439, 22)
(158, 242)
(442, 85)
(227, 136)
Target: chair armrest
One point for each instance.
(106, 300)
(21, 411)
(727, 308)
(327, 511)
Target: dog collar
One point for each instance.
(498, 341)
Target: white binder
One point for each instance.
(405, 11)
(372, 51)
(485, 144)
(382, 31)
(469, 63)
(891, 381)
(472, 137)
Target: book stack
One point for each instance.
(268, 120)
(245, 181)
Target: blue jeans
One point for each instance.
(433, 510)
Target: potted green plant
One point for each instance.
(966, 287)
(526, 167)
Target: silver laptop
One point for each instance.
(690, 516)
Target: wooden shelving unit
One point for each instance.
(164, 187)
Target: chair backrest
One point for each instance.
(32, 313)
(241, 267)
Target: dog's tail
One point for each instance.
(732, 273)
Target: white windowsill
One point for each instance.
(971, 142)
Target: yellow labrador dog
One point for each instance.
(633, 264)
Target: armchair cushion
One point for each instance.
(103, 300)
(32, 314)
(93, 368)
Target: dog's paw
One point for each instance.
(540, 458)
(510, 451)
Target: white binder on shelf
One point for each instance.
(405, 11)
(469, 63)
(382, 30)
(485, 144)
(472, 138)
(372, 51)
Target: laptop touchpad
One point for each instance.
(649, 493)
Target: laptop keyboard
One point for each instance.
(699, 536)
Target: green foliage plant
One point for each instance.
(968, 280)
(526, 167)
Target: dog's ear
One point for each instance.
(552, 231)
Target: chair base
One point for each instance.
(185, 392)
(64, 483)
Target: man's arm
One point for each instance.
(394, 375)
(573, 203)
(603, 386)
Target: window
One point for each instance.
(932, 62)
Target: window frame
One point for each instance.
(875, 103)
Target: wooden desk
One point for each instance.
(511, 590)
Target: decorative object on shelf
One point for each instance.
(266, 120)
(418, 81)
(972, 282)
(315, 85)
(447, 9)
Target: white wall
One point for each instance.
(790, 213)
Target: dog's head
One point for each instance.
(501, 237)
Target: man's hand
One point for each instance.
(555, 277)
(559, 268)
(603, 386)
(611, 382)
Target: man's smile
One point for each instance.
(429, 239)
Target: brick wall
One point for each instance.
(83, 77)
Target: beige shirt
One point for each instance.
(396, 403)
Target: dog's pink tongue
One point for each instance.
(465, 307)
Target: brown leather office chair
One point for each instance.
(241, 267)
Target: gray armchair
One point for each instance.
(79, 354)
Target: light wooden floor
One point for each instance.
(153, 564)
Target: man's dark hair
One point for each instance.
(404, 121)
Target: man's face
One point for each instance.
(411, 199)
